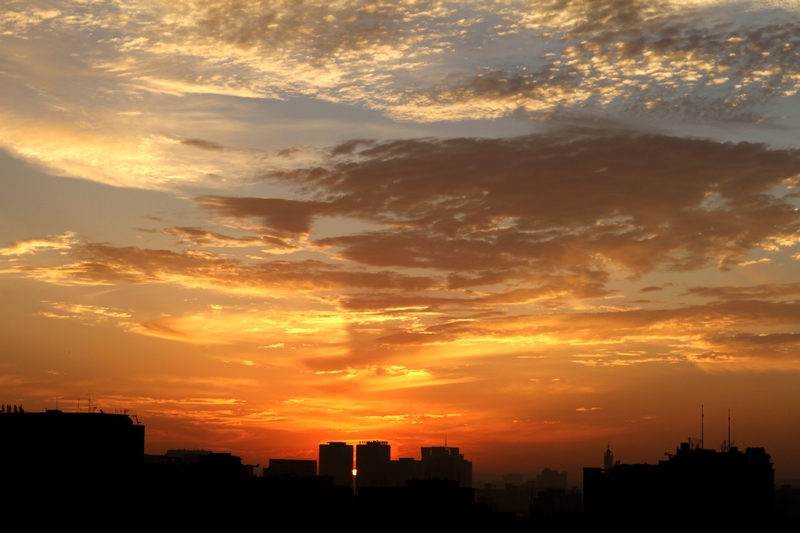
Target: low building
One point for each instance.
(291, 468)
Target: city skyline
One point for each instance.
(526, 228)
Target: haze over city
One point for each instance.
(528, 227)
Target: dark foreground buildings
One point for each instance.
(74, 468)
(55, 447)
(693, 484)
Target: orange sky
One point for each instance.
(529, 227)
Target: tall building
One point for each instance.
(608, 458)
(336, 461)
(372, 463)
(441, 462)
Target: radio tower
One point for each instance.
(702, 427)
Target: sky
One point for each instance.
(528, 228)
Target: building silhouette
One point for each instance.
(69, 447)
(608, 458)
(376, 469)
(372, 463)
(551, 479)
(336, 461)
(692, 483)
(441, 462)
(187, 457)
(291, 468)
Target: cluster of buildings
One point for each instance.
(729, 484)
(546, 495)
(374, 467)
(106, 451)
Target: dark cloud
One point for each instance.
(286, 217)
(768, 291)
(205, 238)
(652, 288)
(544, 289)
(289, 152)
(499, 209)
(203, 144)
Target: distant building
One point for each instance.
(441, 462)
(69, 446)
(508, 498)
(404, 469)
(291, 468)
(336, 461)
(219, 466)
(608, 458)
(692, 483)
(376, 469)
(187, 457)
(551, 479)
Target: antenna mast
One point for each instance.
(702, 427)
(729, 429)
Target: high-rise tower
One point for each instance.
(372, 463)
(336, 461)
(608, 458)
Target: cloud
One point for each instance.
(424, 61)
(284, 216)
(570, 203)
(651, 288)
(32, 246)
(488, 243)
(90, 314)
(203, 144)
(99, 264)
(766, 291)
(689, 333)
(673, 59)
(205, 238)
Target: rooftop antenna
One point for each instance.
(702, 426)
(729, 429)
(445, 440)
